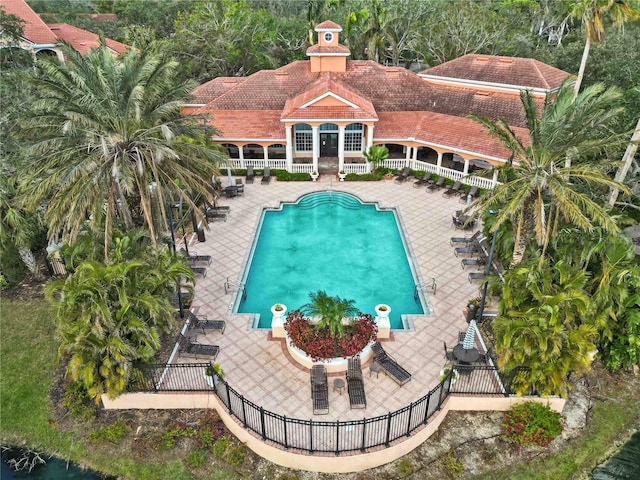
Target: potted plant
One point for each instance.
(314, 176)
(278, 310)
(382, 310)
(472, 308)
(445, 371)
(212, 370)
(342, 175)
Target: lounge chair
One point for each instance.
(186, 300)
(239, 186)
(454, 189)
(266, 175)
(476, 276)
(319, 390)
(403, 176)
(473, 192)
(389, 365)
(466, 241)
(250, 175)
(423, 181)
(473, 262)
(192, 349)
(195, 258)
(215, 215)
(355, 386)
(436, 186)
(204, 324)
(470, 250)
(199, 271)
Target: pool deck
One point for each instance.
(259, 368)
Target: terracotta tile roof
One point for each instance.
(82, 40)
(293, 107)
(515, 71)
(214, 88)
(328, 25)
(104, 17)
(454, 132)
(317, 49)
(249, 124)
(34, 28)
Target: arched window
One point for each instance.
(277, 151)
(303, 138)
(354, 137)
(234, 151)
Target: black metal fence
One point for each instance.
(318, 436)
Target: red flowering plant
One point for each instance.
(319, 343)
(531, 422)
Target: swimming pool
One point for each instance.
(334, 242)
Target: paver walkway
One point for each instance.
(260, 370)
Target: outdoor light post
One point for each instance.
(485, 286)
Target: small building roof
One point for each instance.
(82, 40)
(328, 25)
(328, 50)
(253, 125)
(34, 29)
(509, 71)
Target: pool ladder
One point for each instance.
(429, 286)
(231, 286)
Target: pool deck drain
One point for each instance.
(259, 368)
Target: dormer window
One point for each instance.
(328, 37)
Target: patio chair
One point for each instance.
(355, 386)
(465, 240)
(403, 176)
(476, 276)
(436, 186)
(192, 349)
(204, 324)
(485, 357)
(448, 354)
(194, 257)
(471, 262)
(250, 175)
(319, 390)
(454, 189)
(461, 336)
(426, 180)
(266, 175)
(389, 365)
(239, 186)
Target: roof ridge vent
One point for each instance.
(482, 93)
(281, 74)
(505, 60)
(482, 59)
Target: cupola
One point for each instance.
(328, 55)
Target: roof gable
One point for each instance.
(34, 30)
(82, 40)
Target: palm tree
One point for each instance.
(110, 316)
(108, 141)
(592, 13)
(376, 155)
(331, 311)
(627, 160)
(540, 327)
(541, 189)
(316, 9)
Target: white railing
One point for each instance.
(302, 168)
(358, 168)
(395, 163)
(280, 164)
(453, 174)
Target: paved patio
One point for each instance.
(260, 369)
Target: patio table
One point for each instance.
(466, 355)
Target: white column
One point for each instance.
(494, 180)
(407, 156)
(289, 147)
(415, 153)
(439, 162)
(316, 146)
(465, 170)
(341, 129)
(265, 154)
(241, 156)
(369, 136)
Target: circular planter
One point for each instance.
(333, 365)
(314, 176)
(279, 310)
(342, 176)
(382, 310)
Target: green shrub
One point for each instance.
(531, 422)
(418, 173)
(365, 177)
(210, 429)
(114, 433)
(235, 455)
(77, 401)
(196, 458)
(174, 431)
(284, 176)
(220, 447)
(405, 469)
(3, 282)
(452, 467)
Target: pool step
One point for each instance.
(344, 201)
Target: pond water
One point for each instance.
(623, 465)
(53, 469)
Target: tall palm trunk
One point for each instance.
(583, 64)
(627, 159)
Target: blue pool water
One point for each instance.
(329, 241)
